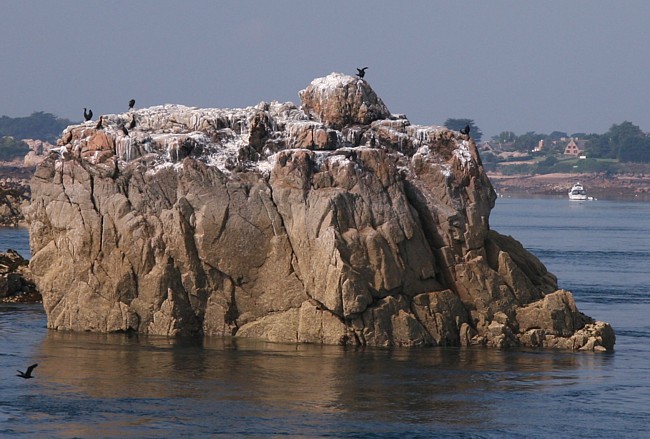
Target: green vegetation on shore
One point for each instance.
(623, 149)
(565, 165)
(11, 149)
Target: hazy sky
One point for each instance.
(574, 66)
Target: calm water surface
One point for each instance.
(16, 238)
(93, 385)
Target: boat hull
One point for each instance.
(578, 193)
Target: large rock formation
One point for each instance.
(333, 223)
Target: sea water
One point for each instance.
(98, 385)
(15, 238)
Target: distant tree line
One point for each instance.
(624, 142)
(39, 125)
(11, 148)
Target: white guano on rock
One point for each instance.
(336, 222)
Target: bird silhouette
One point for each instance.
(361, 72)
(99, 125)
(88, 115)
(131, 103)
(132, 124)
(465, 130)
(28, 373)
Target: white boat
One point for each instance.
(578, 192)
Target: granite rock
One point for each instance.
(334, 223)
(16, 282)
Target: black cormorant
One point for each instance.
(99, 125)
(131, 103)
(465, 130)
(28, 373)
(361, 72)
(132, 124)
(88, 115)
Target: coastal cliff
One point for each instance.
(336, 222)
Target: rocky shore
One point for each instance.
(14, 196)
(600, 186)
(16, 283)
(335, 222)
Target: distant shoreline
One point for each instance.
(599, 186)
(627, 187)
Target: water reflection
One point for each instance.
(246, 378)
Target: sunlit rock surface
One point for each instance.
(332, 223)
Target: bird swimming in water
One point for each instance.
(132, 124)
(125, 131)
(361, 72)
(465, 130)
(131, 103)
(88, 115)
(28, 373)
(99, 125)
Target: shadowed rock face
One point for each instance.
(14, 194)
(334, 223)
(16, 284)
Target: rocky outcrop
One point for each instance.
(339, 100)
(335, 223)
(14, 196)
(16, 284)
(38, 150)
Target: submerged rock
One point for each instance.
(336, 223)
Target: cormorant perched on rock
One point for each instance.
(361, 72)
(88, 115)
(28, 373)
(132, 124)
(99, 125)
(131, 103)
(125, 131)
(465, 130)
